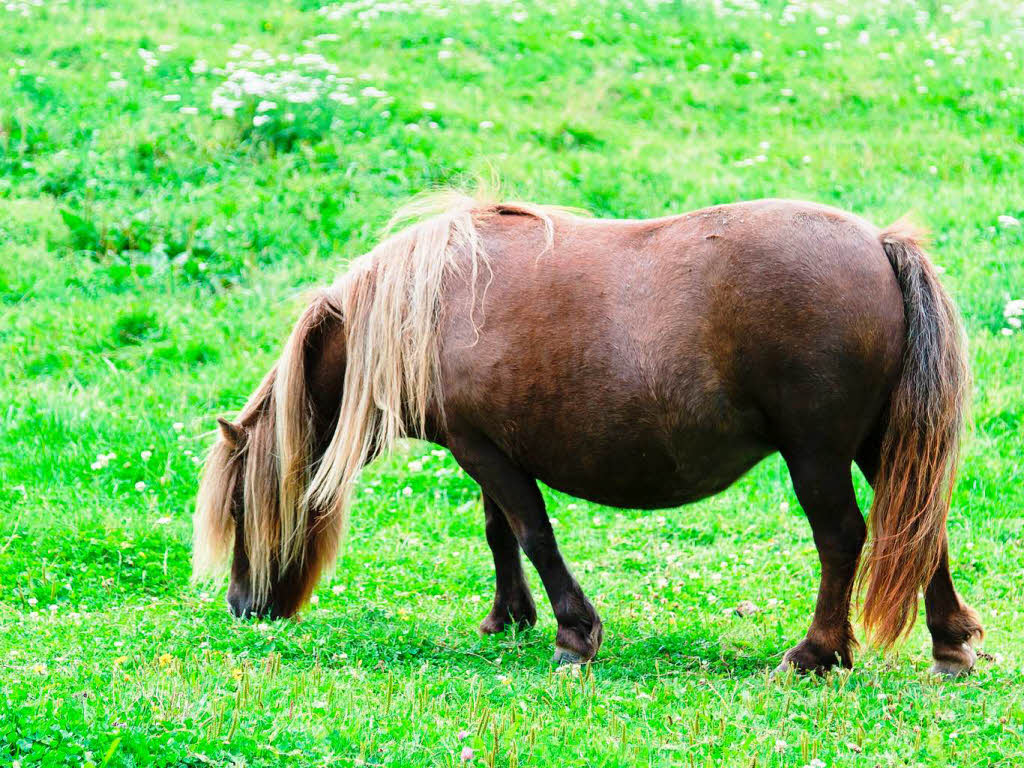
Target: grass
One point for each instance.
(152, 247)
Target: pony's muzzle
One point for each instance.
(239, 605)
(242, 606)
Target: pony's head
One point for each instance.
(239, 516)
(254, 505)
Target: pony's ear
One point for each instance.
(233, 434)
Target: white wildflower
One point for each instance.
(301, 97)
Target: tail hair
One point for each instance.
(921, 446)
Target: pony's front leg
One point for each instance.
(825, 490)
(513, 603)
(517, 496)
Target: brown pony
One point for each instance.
(632, 363)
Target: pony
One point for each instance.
(633, 363)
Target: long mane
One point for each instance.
(388, 305)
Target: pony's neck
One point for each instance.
(325, 377)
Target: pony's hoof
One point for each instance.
(492, 626)
(785, 668)
(807, 657)
(501, 619)
(566, 657)
(576, 646)
(957, 663)
(789, 667)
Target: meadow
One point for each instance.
(174, 175)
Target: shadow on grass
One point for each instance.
(379, 639)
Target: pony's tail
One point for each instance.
(921, 445)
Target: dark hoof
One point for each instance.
(563, 656)
(807, 657)
(522, 616)
(492, 625)
(495, 625)
(952, 646)
(572, 646)
(954, 662)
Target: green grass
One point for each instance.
(150, 262)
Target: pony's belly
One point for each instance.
(653, 478)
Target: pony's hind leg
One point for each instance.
(513, 603)
(952, 624)
(516, 494)
(825, 490)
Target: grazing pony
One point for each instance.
(633, 363)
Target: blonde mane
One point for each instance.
(388, 304)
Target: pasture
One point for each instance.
(174, 176)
